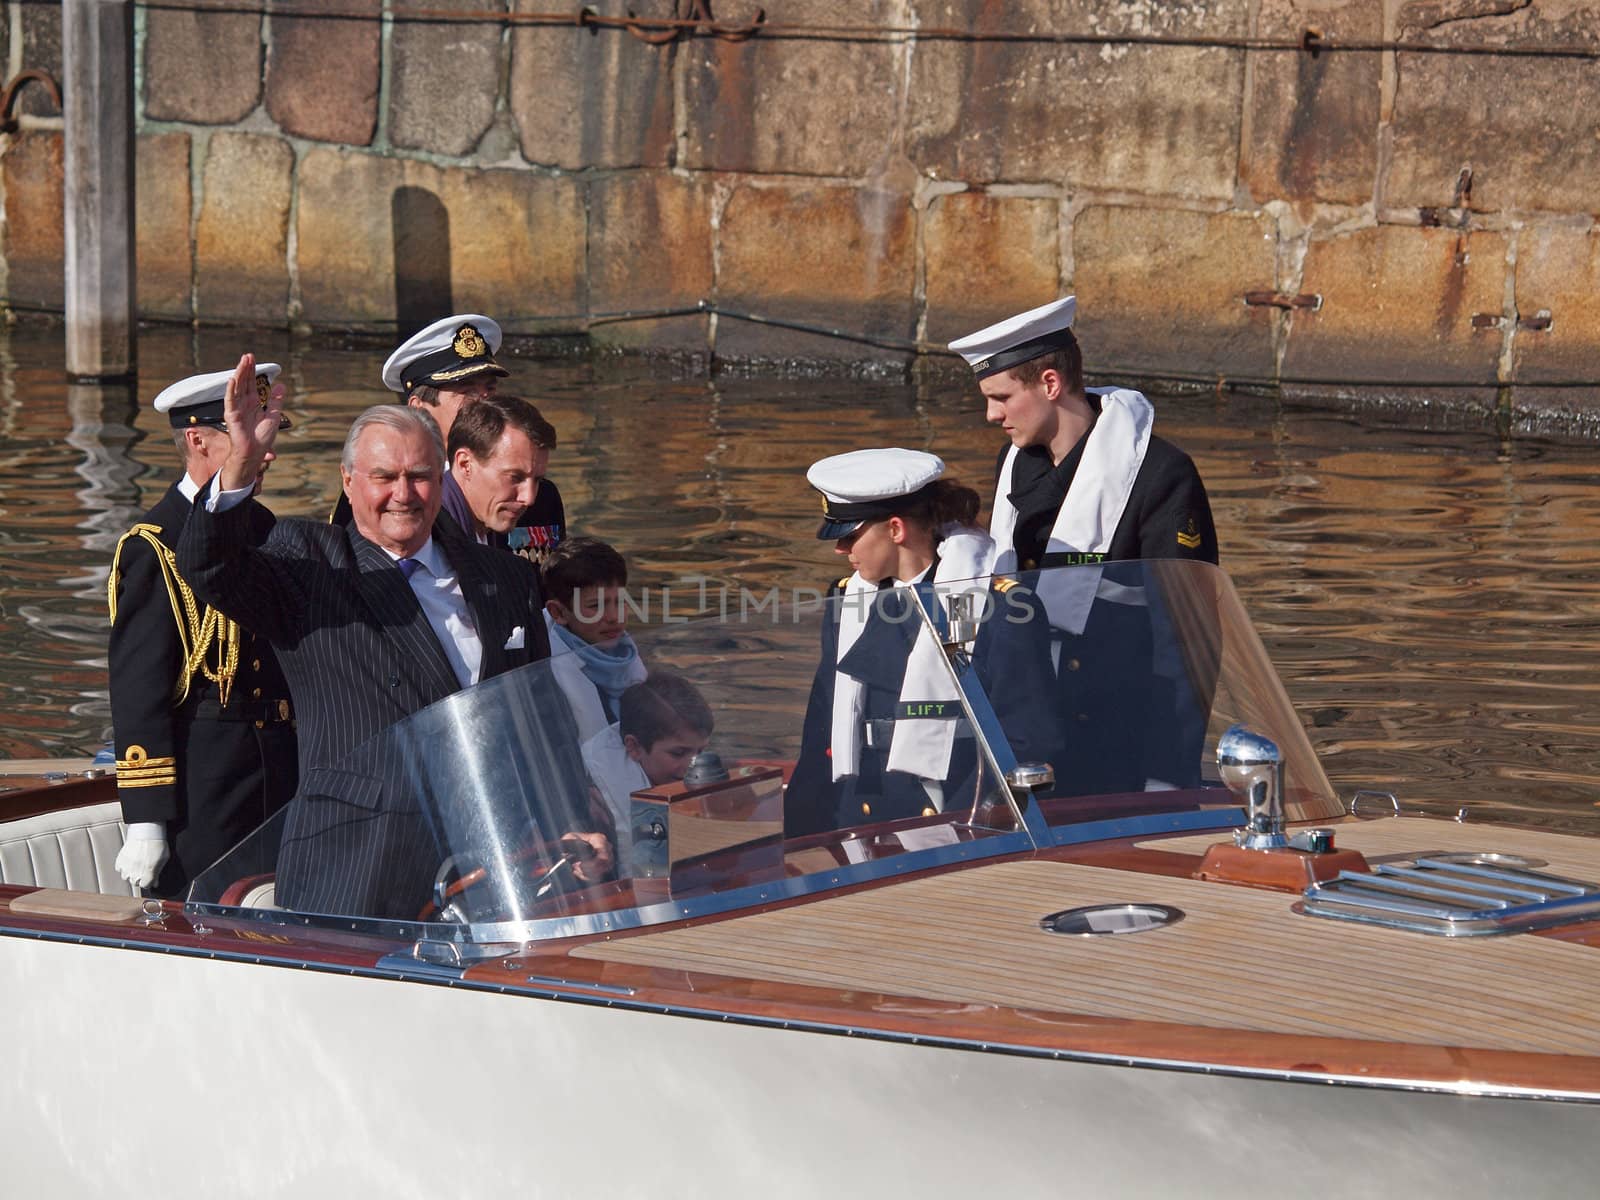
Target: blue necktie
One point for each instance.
(408, 566)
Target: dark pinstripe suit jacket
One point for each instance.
(359, 655)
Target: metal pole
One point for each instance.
(97, 87)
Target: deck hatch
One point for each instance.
(1454, 895)
(1097, 919)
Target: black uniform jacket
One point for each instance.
(1168, 513)
(1013, 666)
(1121, 722)
(210, 772)
(359, 655)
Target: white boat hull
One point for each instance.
(144, 1074)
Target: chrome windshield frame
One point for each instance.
(509, 933)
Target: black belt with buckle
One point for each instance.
(262, 712)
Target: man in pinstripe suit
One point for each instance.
(372, 622)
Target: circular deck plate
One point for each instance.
(1111, 918)
(1486, 859)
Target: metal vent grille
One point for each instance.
(1455, 895)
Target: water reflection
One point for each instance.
(1431, 598)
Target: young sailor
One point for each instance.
(665, 722)
(200, 709)
(1084, 483)
(592, 657)
(1084, 479)
(885, 733)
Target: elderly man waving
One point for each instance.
(371, 622)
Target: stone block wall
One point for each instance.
(1410, 208)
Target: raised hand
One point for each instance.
(252, 425)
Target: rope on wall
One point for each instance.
(696, 19)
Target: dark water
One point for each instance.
(1432, 599)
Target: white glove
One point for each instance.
(143, 853)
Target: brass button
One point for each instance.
(866, 809)
(1072, 664)
(255, 664)
(255, 693)
(928, 812)
(1029, 564)
(261, 724)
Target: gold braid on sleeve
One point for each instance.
(198, 631)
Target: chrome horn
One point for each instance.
(1252, 767)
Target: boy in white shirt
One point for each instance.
(665, 722)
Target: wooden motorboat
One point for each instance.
(1238, 985)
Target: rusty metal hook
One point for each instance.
(699, 19)
(8, 98)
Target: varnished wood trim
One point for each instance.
(36, 797)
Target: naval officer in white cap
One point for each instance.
(885, 735)
(442, 367)
(200, 710)
(1084, 480)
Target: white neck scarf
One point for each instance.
(919, 746)
(849, 693)
(1094, 504)
(922, 746)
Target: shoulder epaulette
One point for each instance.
(843, 583)
(1004, 583)
(198, 630)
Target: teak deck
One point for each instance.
(1240, 960)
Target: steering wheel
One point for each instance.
(547, 883)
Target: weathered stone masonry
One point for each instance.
(1394, 216)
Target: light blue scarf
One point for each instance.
(612, 669)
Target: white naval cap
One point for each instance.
(863, 484)
(446, 352)
(197, 400)
(1018, 339)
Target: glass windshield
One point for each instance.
(1150, 662)
(786, 737)
(783, 744)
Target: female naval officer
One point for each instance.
(885, 733)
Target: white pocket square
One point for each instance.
(514, 642)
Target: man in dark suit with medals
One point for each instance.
(200, 711)
(372, 623)
(498, 450)
(1085, 483)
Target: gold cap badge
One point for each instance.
(469, 343)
